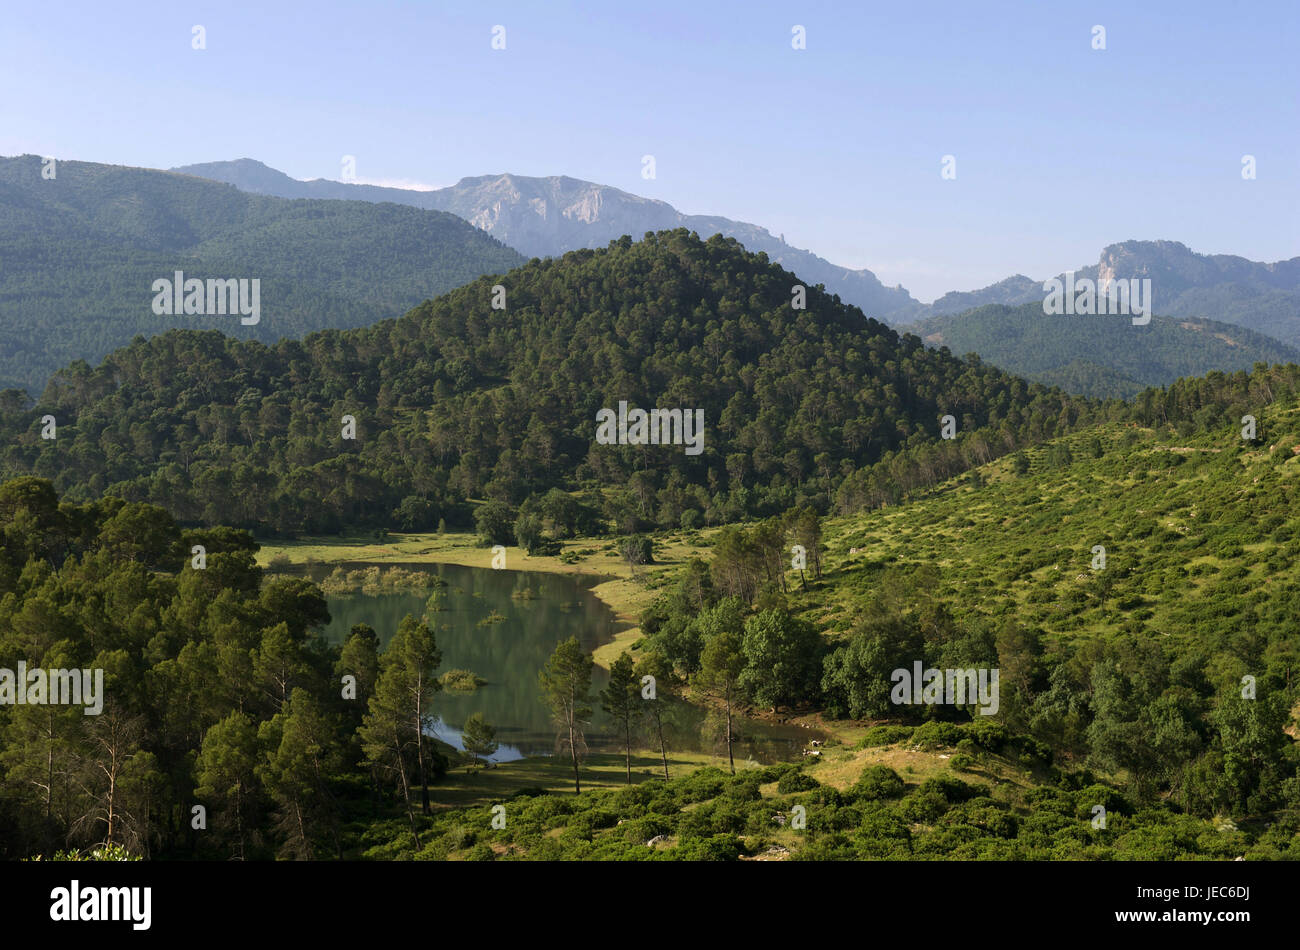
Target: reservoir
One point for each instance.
(503, 626)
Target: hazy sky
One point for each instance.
(1060, 149)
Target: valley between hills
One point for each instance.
(992, 544)
(860, 505)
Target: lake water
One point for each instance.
(504, 625)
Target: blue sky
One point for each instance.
(1060, 149)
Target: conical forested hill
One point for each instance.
(459, 400)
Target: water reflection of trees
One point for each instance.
(509, 655)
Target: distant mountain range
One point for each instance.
(79, 254)
(545, 217)
(1100, 356)
(81, 251)
(1260, 297)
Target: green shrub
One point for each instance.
(461, 681)
(641, 830)
(481, 852)
(793, 782)
(713, 848)
(878, 782)
(743, 787)
(885, 735)
(700, 785)
(986, 734)
(924, 806)
(936, 735)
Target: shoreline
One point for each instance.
(625, 596)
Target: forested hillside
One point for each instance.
(81, 252)
(1134, 583)
(1100, 356)
(222, 732)
(1159, 685)
(459, 400)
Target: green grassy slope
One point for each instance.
(1200, 534)
(1200, 588)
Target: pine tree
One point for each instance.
(299, 752)
(721, 663)
(479, 736)
(622, 700)
(392, 731)
(226, 772)
(654, 665)
(565, 680)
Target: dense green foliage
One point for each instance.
(1100, 356)
(216, 693)
(1191, 404)
(1172, 668)
(81, 252)
(457, 400)
(1137, 666)
(1158, 690)
(1266, 310)
(1160, 685)
(220, 696)
(712, 816)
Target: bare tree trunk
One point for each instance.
(323, 786)
(239, 817)
(419, 745)
(302, 829)
(573, 755)
(112, 789)
(663, 749)
(49, 789)
(730, 758)
(406, 788)
(627, 737)
(410, 815)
